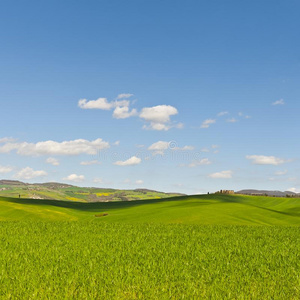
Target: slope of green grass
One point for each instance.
(178, 248)
(202, 209)
(90, 260)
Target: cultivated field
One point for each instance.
(210, 247)
(55, 191)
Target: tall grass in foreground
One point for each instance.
(91, 260)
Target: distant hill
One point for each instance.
(62, 191)
(11, 182)
(268, 193)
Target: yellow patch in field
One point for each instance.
(73, 199)
(103, 194)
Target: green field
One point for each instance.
(203, 209)
(193, 247)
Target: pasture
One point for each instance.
(197, 247)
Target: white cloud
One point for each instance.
(232, 120)
(100, 103)
(223, 113)
(207, 123)
(123, 112)
(52, 161)
(129, 162)
(279, 102)
(90, 162)
(159, 117)
(201, 162)
(6, 140)
(266, 160)
(139, 182)
(215, 146)
(124, 96)
(4, 170)
(160, 145)
(75, 178)
(221, 175)
(29, 173)
(279, 173)
(185, 148)
(158, 114)
(74, 147)
(116, 143)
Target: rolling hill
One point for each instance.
(198, 209)
(62, 191)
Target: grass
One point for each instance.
(195, 247)
(203, 209)
(92, 260)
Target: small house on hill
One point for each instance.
(226, 192)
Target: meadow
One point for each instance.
(54, 191)
(196, 247)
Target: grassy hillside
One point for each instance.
(59, 191)
(198, 209)
(155, 249)
(90, 260)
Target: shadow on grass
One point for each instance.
(103, 206)
(92, 206)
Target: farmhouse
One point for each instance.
(226, 192)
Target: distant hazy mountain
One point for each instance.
(269, 193)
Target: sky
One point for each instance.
(176, 96)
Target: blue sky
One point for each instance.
(187, 96)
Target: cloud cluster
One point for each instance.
(75, 178)
(156, 117)
(75, 147)
(132, 161)
(29, 173)
(4, 170)
(52, 161)
(6, 140)
(207, 123)
(279, 102)
(123, 112)
(232, 120)
(201, 162)
(90, 162)
(161, 146)
(221, 175)
(159, 116)
(266, 160)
